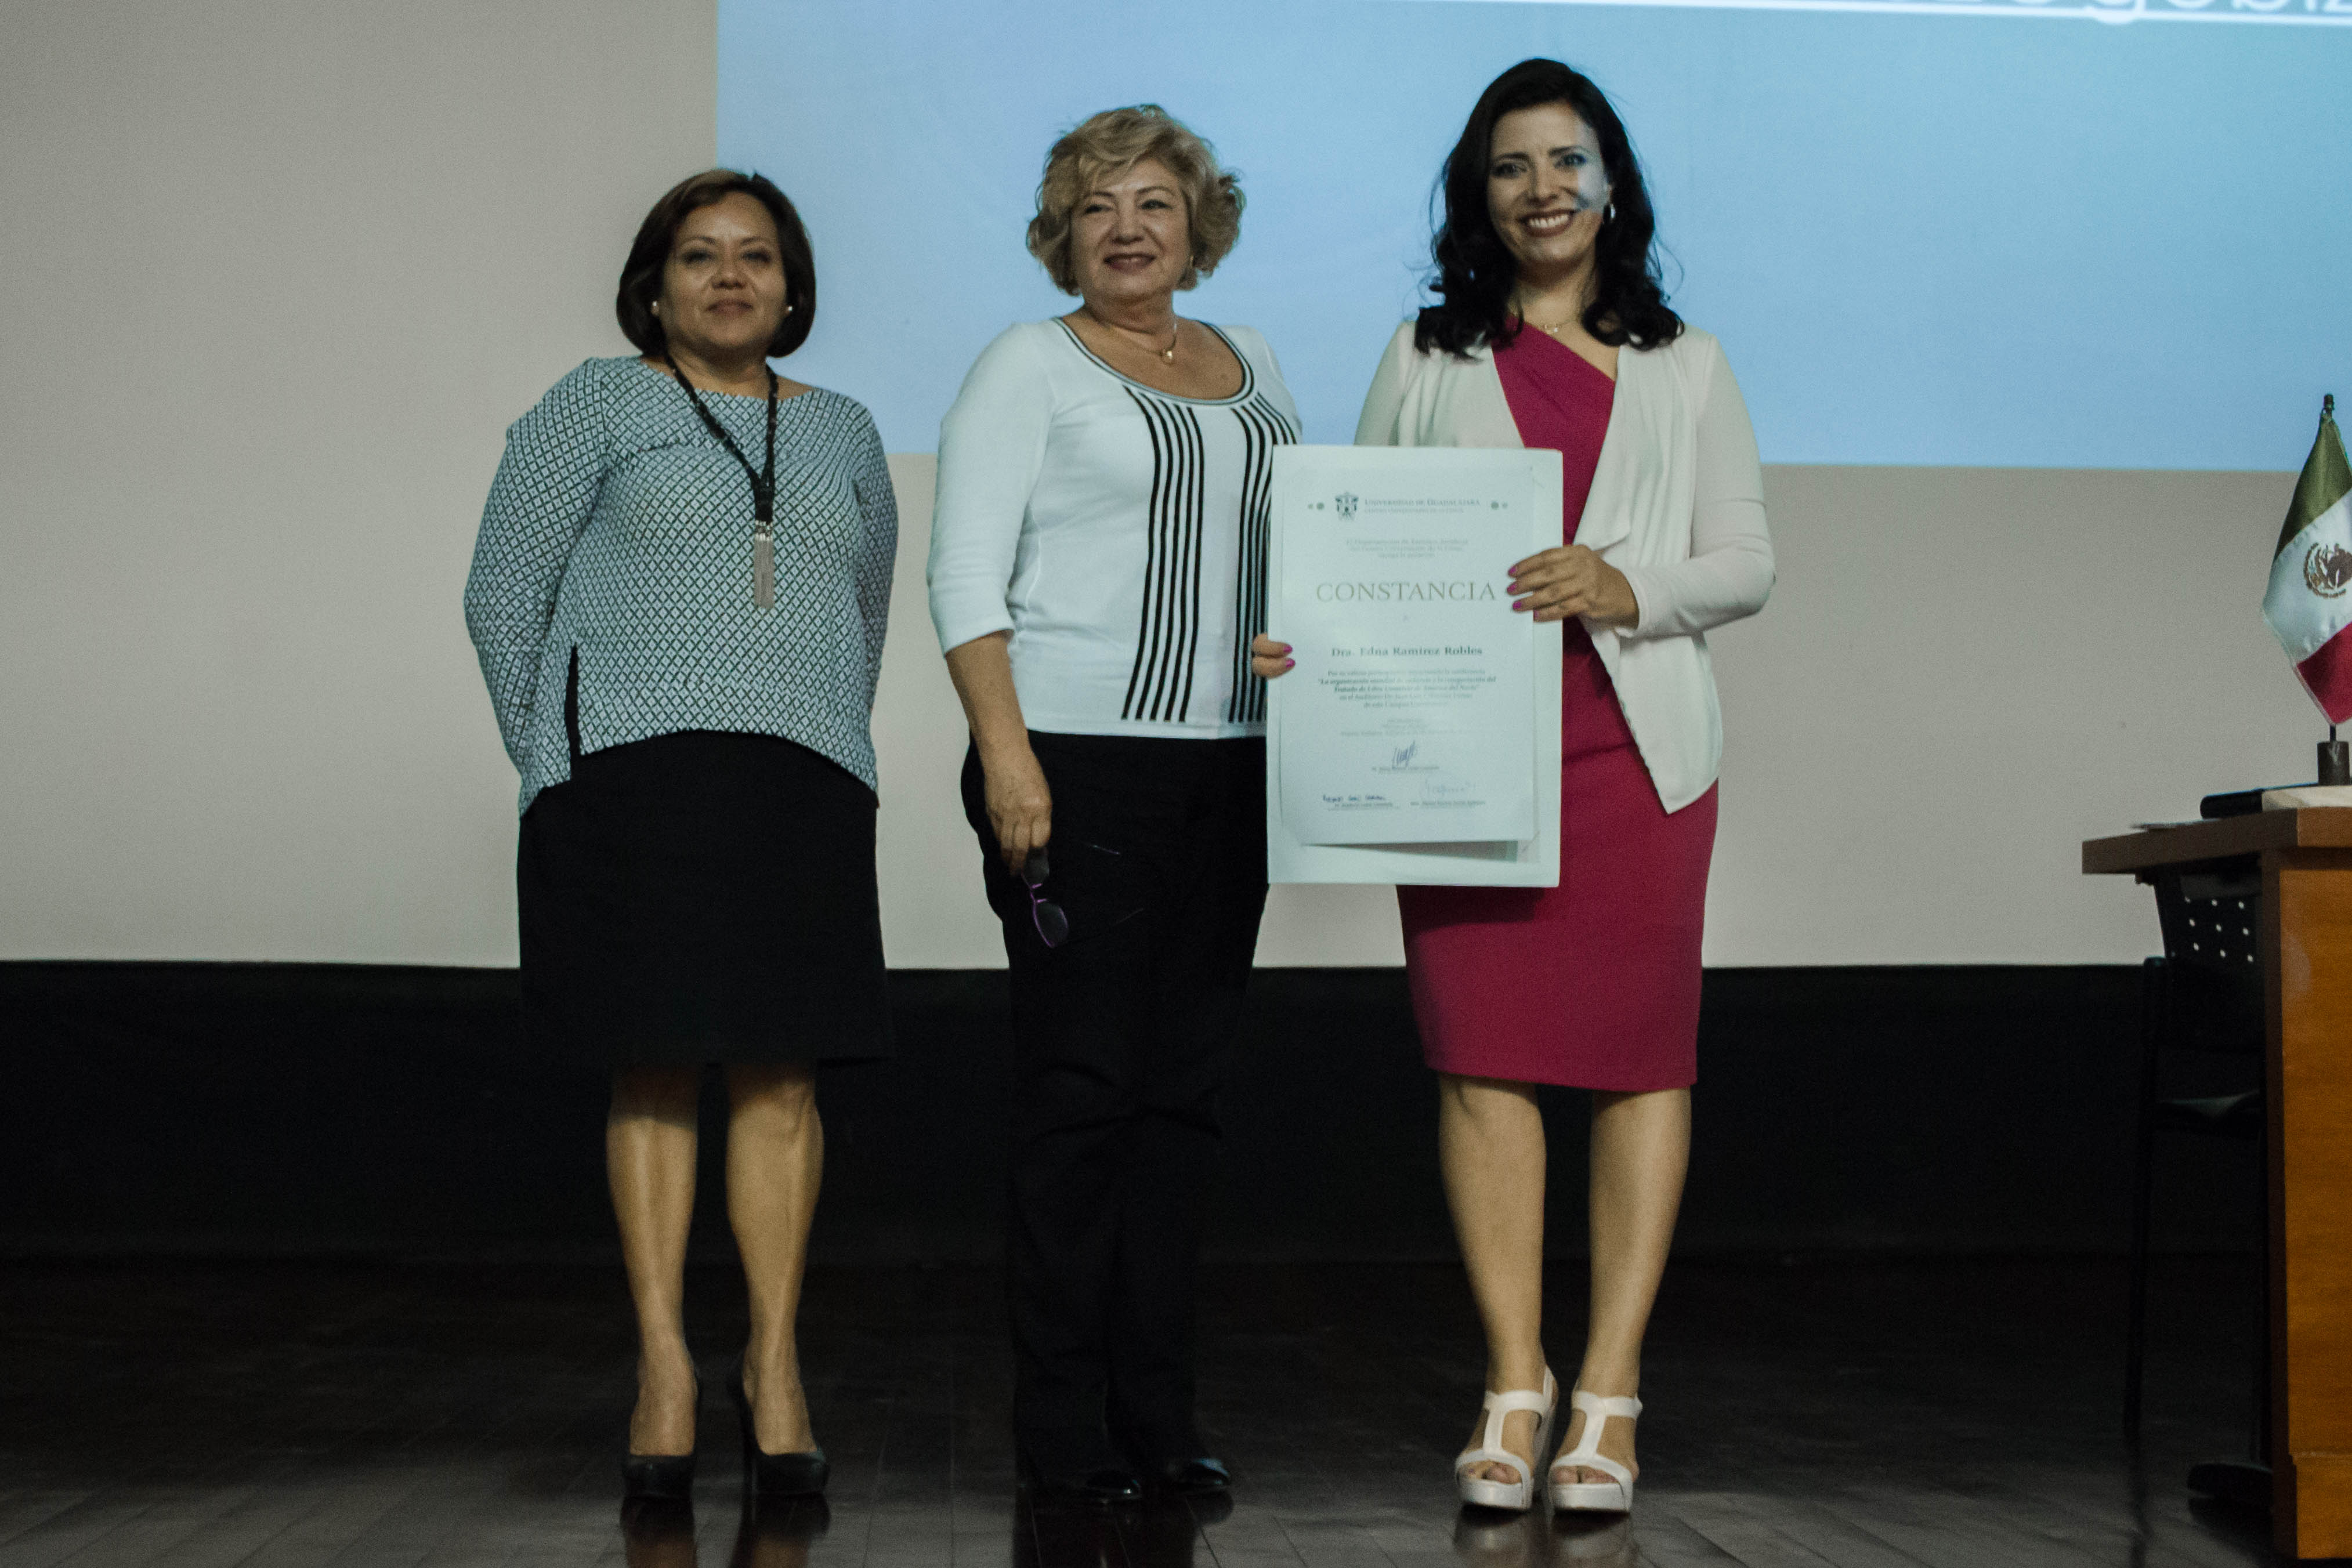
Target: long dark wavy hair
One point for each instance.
(1475, 270)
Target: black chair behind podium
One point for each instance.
(2204, 996)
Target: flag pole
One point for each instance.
(2335, 756)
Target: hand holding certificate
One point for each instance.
(1417, 738)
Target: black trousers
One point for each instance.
(1122, 1036)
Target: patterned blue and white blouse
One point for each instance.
(620, 529)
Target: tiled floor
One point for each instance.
(1879, 1414)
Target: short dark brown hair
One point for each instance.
(641, 276)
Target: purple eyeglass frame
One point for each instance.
(1052, 923)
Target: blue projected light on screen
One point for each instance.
(2017, 235)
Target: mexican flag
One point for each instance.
(2309, 603)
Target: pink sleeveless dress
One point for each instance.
(1595, 983)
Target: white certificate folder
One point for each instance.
(1417, 739)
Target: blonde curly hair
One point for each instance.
(1112, 142)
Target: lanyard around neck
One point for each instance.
(763, 485)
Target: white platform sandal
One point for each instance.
(1519, 1494)
(1613, 1496)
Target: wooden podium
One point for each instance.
(2305, 947)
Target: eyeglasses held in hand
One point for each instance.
(1052, 926)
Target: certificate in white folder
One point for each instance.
(1423, 710)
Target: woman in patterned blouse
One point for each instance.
(678, 597)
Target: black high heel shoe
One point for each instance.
(659, 1478)
(775, 1475)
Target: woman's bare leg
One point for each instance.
(1640, 1149)
(775, 1159)
(1490, 1146)
(650, 1160)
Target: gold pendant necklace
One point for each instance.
(1168, 355)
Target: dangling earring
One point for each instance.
(1610, 216)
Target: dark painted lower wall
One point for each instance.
(298, 1108)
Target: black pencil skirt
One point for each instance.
(703, 897)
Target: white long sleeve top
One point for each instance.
(1677, 504)
(1118, 532)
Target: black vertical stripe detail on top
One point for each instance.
(1160, 686)
(1156, 634)
(1176, 686)
(1263, 429)
(1144, 631)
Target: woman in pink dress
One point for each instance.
(1551, 331)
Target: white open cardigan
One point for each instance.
(1677, 505)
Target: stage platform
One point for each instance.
(1815, 1411)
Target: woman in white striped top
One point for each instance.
(1097, 571)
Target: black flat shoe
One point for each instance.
(1107, 1484)
(659, 1478)
(1169, 1455)
(1189, 1476)
(775, 1475)
(1073, 1465)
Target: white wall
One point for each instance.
(279, 276)
(1962, 675)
